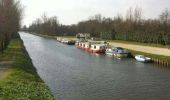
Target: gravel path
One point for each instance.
(5, 68)
(146, 49)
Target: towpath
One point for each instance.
(146, 49)
(5, 67)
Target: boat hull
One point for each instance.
(125, 55)
(121, 55)
(143, 60)
(97, 51)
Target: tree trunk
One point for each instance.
(6, 42)
(2, 47)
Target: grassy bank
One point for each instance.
(45, 36)
(23, 82)
(55, 37)
(153, 56)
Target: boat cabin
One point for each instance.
(98, 48)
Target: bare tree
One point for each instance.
(132, 28)
(137, 14)
(129, 14)
(9, 20)
(164, 18)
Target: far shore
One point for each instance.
(154, 51)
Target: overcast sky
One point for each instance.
(73, 11)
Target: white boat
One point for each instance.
(142, 58)
(64, 41)
(59, 39)
(117, 52)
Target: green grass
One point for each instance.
(23, 82)
(69, 37)
(45, 36)
(138, 43)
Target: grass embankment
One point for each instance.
(153, 56)
(69, 37)
(45, 36)
(23, 82)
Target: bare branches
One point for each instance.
(10, 18)
(131, 28)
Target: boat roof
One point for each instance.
(96, 42)
(99, 44)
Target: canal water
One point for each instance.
(73, 74)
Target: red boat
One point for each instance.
(98, 48)
(93, 47)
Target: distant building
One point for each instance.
(83, 36)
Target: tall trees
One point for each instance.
(9, 21)
(165, 18)
(165, 25)
(45, 25)
(132, 27)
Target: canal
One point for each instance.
(72, 74)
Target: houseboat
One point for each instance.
(87, 46)
(79, 45)
(97, 48)
(83, 45)
(92, 46)
(117, 52)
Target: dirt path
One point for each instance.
(146, 49)
(5, 68)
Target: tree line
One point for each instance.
(132, 27)
(10, 18)
(50, 26)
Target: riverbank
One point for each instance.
(45, 36)
(159, 54)
(20, 80)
